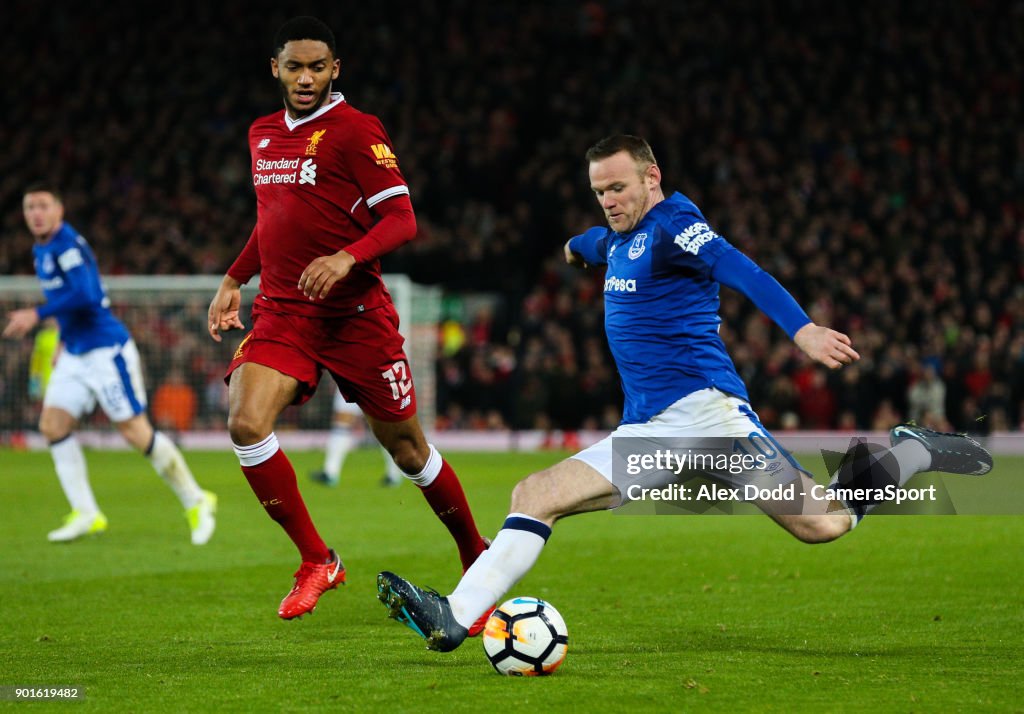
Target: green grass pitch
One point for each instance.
(706, 613)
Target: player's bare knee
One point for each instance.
(138, 432)
(524, 496)
(404, 442)
(408, 460)
(820, 529)
(246, 429)
(408, 455)
(532, 497)
(52, 428)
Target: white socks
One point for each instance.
(514, 551)
(69, 461)
(430, 470)
(256, 454)
(911, 458)
(339, 444)
(171, 466)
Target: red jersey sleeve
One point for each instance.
(374, 167)
(372, 162)
(396, 226)
(247, 264)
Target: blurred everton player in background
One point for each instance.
(664, 266)
(99, 364)
(330, 201)
(345, 420)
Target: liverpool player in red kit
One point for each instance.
(330, 201)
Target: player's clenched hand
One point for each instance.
(223, 313)
(320, 276)
(21, 322)
(573, 258)
(833, 349)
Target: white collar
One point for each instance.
(334, 100)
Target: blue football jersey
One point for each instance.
(661, 307)
(74, 293)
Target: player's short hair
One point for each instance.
(304, 27)
(43, 187)
(639, 149)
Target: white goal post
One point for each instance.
(167, 318)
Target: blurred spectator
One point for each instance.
(885, 416)
(889, 198)
(927, 398)
(817, 403)
(174, 403)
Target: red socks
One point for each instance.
(446, 497)
(274, 484)
(273, 481)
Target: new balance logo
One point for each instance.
(620, 285)
(264, 143)
(405, 402)
(307, 174)
(693, 238)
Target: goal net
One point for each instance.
(183, 367)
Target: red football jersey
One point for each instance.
(317, 180)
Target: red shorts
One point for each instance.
(362, 352)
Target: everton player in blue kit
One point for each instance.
(664, 266)
(99, 364)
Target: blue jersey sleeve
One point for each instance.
(592, 245)
(698, 248)
(740, 273)
(693, 246)
(74, 293)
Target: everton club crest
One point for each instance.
(637, 247)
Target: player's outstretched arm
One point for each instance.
(20, 322)
(822, 344)
(223, 313)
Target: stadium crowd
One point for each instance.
(869, 155)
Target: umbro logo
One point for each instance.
(264, 143)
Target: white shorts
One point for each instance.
(708, 413)
(344, 407)
(108, 376)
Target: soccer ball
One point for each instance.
(525, 637)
